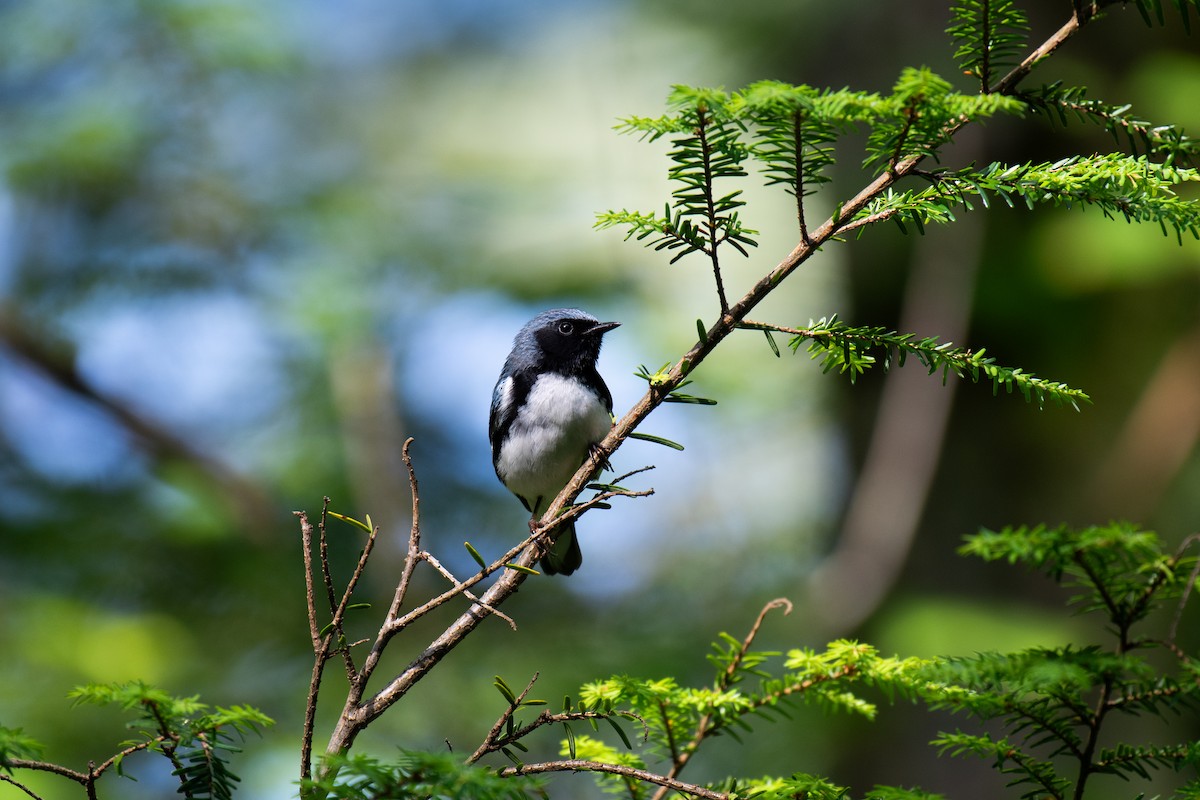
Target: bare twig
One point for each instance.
(323, 544)
(578, 509)
(731, 670)
(310, 717)
(323, 648)
(414, 534)
(44, 766)
(314, 684)
(21, 786)
(1187, 590)
(339, 613)
(306, 537)
(1018, 73)
(433, 562)
(580, 765)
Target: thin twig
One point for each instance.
(414, 534)
(339, 613)
(396, 625)
(580, 765)
(731, 670)
(484, 747)
(706, 157)
(168, 738)
(433, 562)
(1018, 73)
(323, 540)
(44, 766)
(1187, 589)
(21, 786)
(306, 532)
(310, 716)
(577, 509)
(322, 644)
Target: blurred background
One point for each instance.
(247, 249)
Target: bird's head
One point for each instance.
(564, 338)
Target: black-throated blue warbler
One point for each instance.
(549, 409)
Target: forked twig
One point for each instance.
(433, 562)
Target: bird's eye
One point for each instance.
(566, 327)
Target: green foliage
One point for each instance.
(1061, 104)
(748, 685)
(796, 129)
(991, 36)
(706, 133)
(921, 115)
(851, 350)
(1117, 569)
(415, 775)
(15, 744)
(1133, 188)
(812, 787)
(196, 740)
(1054, 702)
(1152, 11)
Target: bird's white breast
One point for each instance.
(550, 436)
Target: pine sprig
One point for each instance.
(15, 744)
(796, 129)
(1053, 702)
(853, 350)
(920, 115)
(679, 718)
(1117, 569)
(1132, 188)
(1061, 104)
(1152, 11)
(706, 130)
(198, 742)
(1007, 760)
(990, 35)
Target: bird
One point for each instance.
(550, 408)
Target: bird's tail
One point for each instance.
(564, 557)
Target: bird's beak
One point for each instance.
(601, 328)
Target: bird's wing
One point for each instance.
(602, 390)
(510, 393)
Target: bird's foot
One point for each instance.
(594, 450)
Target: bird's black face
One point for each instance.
(572, 341)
